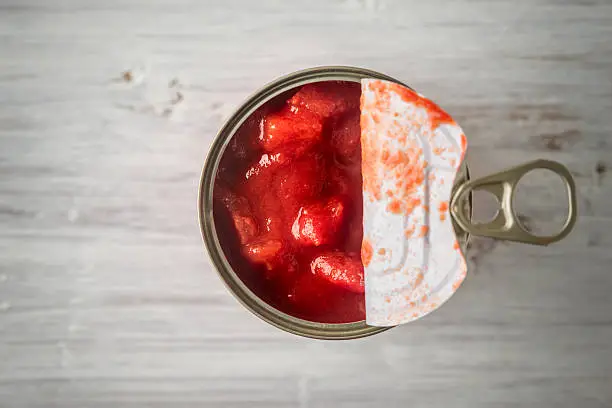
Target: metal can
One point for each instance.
(504, 226)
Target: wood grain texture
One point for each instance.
(107, 298)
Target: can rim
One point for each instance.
(266, 312)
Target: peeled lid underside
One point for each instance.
(411, 153)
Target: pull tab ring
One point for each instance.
(502, 185)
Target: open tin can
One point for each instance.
(505, 225)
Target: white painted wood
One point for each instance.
(107, 298)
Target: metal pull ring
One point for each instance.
(502, 185)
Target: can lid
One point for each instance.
(411, 153)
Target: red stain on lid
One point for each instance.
(443, 206)
(366, 252)
(437, 116)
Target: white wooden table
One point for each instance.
(107, 298)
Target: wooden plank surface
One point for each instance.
(107, 298)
